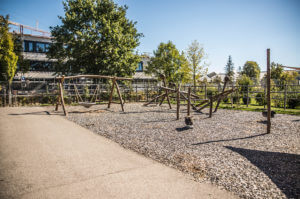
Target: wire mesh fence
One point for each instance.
(45, 92)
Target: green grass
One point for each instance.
(258, 108)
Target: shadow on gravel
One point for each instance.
(34, 113)
(282, 168)
(232, 139)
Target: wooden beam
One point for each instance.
(211, 106)
(219, 100)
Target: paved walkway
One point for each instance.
(47, 156)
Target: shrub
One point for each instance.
(235, 99)
(260, 99)
(294, 101)
(245, 100)
(225, 100)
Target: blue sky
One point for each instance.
(243, 29)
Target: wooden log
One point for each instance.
(211, 107)
(154, 99)
(219, 100)
(62, 97)
(95, 76)
(194, 107)
(174, 90)
(189, 102)
(111, 92)
(120, 96)
(268, 92)
(167, 92)
(178, 102)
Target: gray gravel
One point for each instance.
(231, 149)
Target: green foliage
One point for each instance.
(95, 38)
(168, 61)
(245, 81)
(229, 68)
(293, 101)
(217, 80)
(245, 100)
(8, 59)
(260, 99)
(252, 70)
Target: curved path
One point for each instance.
(46, 156)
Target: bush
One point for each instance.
(225, 100)
(260, 99)
(294, 102)
(245, 100)
(235, 99)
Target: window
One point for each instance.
(47, 47)
(41, 66)
(140, 67)
(40, 47)
(30, 46)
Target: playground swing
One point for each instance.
(86, 104)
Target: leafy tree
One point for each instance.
(168, 61)
(185, 70)
(229, 68)
(8, 59)
(276, 71)
(217, 80)
(245, 81)
(252, 70)
(23, 64)
(196, 56)
(95, 38)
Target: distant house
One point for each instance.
(140, 78)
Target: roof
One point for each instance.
(35, 75)
(142, 75)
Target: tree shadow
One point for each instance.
(183, 128)
(282, 168)
(34, 113)
(231, 139)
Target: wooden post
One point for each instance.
(265, 96)
(178, 102)
(285, 92)
(62, 96)
(268, 91)
(111, 92)
(211, 106)
(231, 95)
(120, 96)
(189, 102)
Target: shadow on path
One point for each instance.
(282, 168)
(34, 113)
(232, 139)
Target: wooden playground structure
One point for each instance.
(166, 92)
(87, 104)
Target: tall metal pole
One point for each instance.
(268, 92)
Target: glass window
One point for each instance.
(30, 46)
(40, 47)
(140, 67)
(47, 47)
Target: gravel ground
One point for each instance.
(231, 149)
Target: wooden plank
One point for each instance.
(154, 99)
(219, 100)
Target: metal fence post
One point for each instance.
(285, 92)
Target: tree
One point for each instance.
(252, 70)
(196, 55)
(95, 38)
(168, 61)
(8, 59)
(229, 68)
